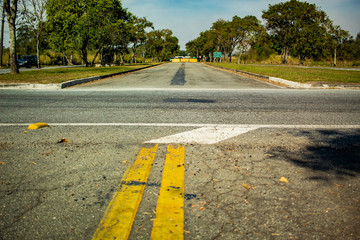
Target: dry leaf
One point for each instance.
(2, 163)
(246, 186)
(63, 140)
(283, 179)
(38, 125)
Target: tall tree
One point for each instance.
(162, 45)
(62, 16)
(299, 26)
(34, 13)
(83, 24)
(245, 30)
(11, 14)
(224, 40)
(138, 33)
(338, 38)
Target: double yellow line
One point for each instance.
(121, 212)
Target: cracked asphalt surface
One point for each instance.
(269, 183)
(232, 189)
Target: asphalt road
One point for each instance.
(60, 189)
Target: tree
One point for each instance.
(338, 38)
(245, 31)
(138, 34)
(97, 22)
(224, 36)
(80, 25)
(11, 14)
(120, 38)
(33, 12)
(162, 45)
(62, 16)
(299, 27)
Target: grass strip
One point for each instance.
(298, 74)
(60, 75)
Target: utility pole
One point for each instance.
(2, 34)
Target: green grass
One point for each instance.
(46, 76)
(297, 74)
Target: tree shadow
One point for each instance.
(335, 152)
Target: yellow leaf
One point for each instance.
(283, 179)
(63, 140)
(246, 186)
(37, 125)
(2, 163)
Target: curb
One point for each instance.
(291, 84)
(278, 81)
(70, 83)
(30, 86)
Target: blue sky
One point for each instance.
(187, 18)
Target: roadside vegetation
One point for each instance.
(298, 74)
(59, 75)
(85, 32)
(93, 33)
(294, 30)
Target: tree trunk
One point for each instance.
(285, 55)
(2, 37)
(38, 52)
(93, 61)
(11, 18)
(239, 58)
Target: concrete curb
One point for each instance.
(275, 80)
(91, 79)
(30, 86)
(68, 83)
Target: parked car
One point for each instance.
(27, 61)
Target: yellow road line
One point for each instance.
(121, 212)
(169, 221)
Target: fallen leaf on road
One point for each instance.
(63, 140)
(33, 163)
(283, 179)
(246, 186)
(2, 163)
(38, 125)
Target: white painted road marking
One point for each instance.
(205, 135)
(198, 125)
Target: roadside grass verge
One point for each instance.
(298, 74)
(60, 75)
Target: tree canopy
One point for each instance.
(293, 28)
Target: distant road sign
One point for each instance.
(217, 54)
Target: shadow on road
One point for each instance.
(334, 152)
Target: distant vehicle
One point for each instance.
(27, 61)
